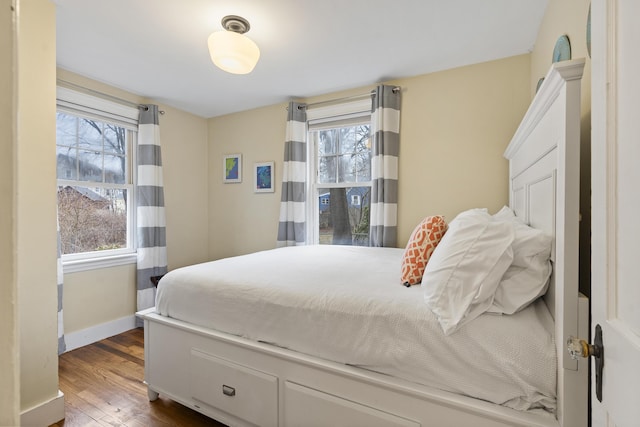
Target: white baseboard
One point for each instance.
(45, 414)
(99, 332)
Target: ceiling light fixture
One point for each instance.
(230, 49)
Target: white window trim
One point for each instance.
(336, 111)
(316, 116)
(83, 104)
(77, 265)
(92, 106)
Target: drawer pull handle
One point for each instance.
(228, 391)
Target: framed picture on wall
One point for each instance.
(232, 168)
(263, 177)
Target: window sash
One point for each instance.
(104, 152)
(130, 231)
(315, 231)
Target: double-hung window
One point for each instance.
(95, 141)
(339, 141)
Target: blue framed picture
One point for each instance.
(232, 168)
(263, 177)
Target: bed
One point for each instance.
(256, 353)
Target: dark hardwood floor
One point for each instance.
(103, 386)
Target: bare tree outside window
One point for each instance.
(93, 184)
(344, 158)
(90, 222)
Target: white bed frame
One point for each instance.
(243, 383)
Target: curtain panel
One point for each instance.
(385, 128)
(292, 222)
(62, 345)
(150, 211)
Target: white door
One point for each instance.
(615, 153)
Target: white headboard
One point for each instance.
(544, 190)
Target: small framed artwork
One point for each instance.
(263, 177)
(232, 168)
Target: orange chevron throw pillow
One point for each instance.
(424, 239)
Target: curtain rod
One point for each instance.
(99, 94)
(346, 98)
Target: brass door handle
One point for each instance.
(578, 348)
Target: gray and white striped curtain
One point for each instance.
(385, 128)
(151, 223)
(62, 345)
(292, 223)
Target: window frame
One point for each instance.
(329, 116)
(89, 106)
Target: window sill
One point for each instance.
(96, 263)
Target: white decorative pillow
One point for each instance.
(465, 268)
(528, 276)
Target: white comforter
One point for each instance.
(346, 304)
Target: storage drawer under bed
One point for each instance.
(313, 408)
(243, 392)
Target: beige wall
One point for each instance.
(455, 126)
(36, 203)
(10, 383)
(98, 296)
(185, 169)
(240, 220)
(570, 17)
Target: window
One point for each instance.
(340, 175)
(95, 180)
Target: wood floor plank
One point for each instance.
(76, 404)
(103, 387)
(114, 349)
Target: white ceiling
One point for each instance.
(158, 48)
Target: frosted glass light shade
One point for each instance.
(233, 52)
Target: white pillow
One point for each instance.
(465, 268)
(528, 276)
